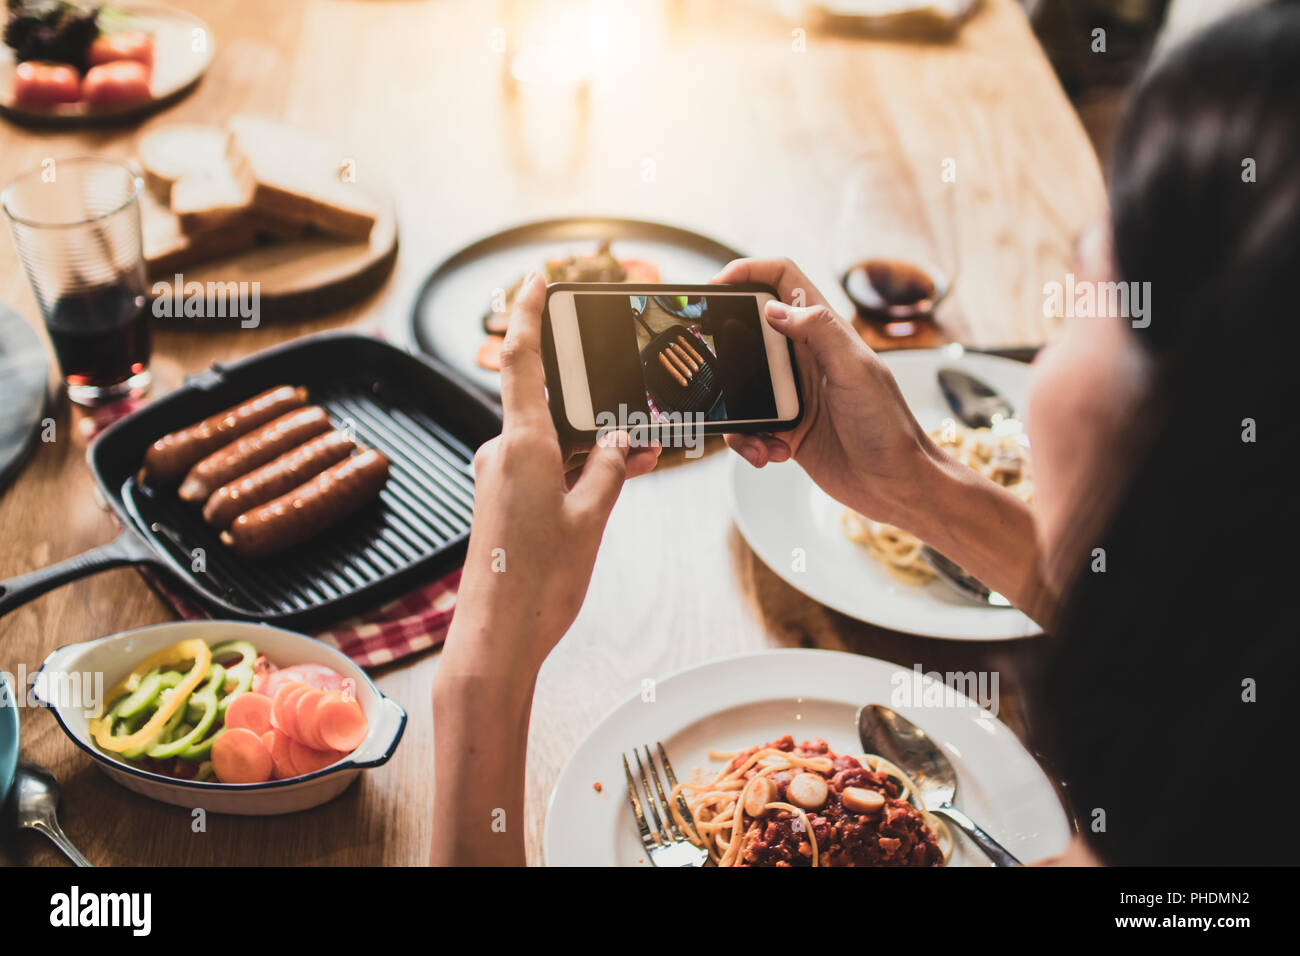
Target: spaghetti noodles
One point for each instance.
(787, 805)
(1000, 458)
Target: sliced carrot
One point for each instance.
(240, 756)
(281, 758)
(341, 723)
(489, 353)
(250, 710)
(282, 706)
(305, 719)
(309, 760)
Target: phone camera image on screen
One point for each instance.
(676, 358)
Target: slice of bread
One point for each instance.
(296, 178)
(203, 201)
(170, 153)
(169, 249)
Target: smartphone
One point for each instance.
(666, 361)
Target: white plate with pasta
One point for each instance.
(820, 548)
(741, 702)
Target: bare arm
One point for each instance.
(480, 719)
(515, 600)
(987, 530)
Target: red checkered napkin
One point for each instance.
(413, 623)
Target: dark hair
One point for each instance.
(1148, 691)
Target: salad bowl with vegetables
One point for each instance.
(230, 716)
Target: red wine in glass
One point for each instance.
(101, 337)
(892, 295)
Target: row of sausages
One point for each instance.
(681, 360)
(270, 472)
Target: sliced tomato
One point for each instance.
(117, 84)
(489, 353)
(39, 84)
(127, 45)
(638, 270)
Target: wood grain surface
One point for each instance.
(718, 116)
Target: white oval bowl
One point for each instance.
(116, 655)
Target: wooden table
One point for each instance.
(705, 114)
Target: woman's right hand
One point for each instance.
(857, 439)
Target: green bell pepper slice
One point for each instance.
(172, 746)
(142, 697)
(246, 651)
(243, 678)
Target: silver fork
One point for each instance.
(665, 844)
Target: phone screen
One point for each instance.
(674, 358)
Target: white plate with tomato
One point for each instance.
(73, 65)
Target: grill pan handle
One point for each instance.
(126, 548)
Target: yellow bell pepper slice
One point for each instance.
(194, 649)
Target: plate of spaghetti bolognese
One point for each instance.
(770, 772)
(872, 571)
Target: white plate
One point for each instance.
(778, 509)
(742, 701)
(183, 51)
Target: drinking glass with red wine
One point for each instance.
(896, 250)
(76, 225)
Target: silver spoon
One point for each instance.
(976, 403)
(36, 800)
(950, 573)
(898, 740)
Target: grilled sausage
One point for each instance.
(253, 450)
(172, 456)
(280, 476)
(681, 354)
(308, 509)
(681, 366)
(686, 344)
(672, 370)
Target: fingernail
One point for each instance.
(533, 276)
(778, 311)
(750, 455)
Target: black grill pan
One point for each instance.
(702, 389)
(409, 408)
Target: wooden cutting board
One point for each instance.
(310, 276)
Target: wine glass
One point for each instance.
(895, 251)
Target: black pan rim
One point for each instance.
(160, 559)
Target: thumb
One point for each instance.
(597, 488)
(834, 344)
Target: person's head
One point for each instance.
(1163, 456)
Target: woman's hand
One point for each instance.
(857, 439)
(859, 442)
(531, 551)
